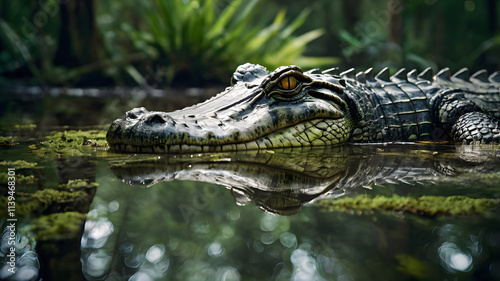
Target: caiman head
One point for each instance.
(286, 108)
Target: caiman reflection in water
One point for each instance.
(281, 181)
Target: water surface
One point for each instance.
(255, 215)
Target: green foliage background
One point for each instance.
(198, 42)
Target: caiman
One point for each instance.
(293, 108)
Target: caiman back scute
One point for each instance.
(412, 106)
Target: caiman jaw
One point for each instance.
(315, 132)
(283, 109)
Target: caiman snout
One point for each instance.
(140, 130)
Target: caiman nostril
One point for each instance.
(131, 115)
(155, 119)
(135, 113)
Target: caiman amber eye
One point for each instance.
(288, 83)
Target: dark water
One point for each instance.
(256, 215)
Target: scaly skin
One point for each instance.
(291, 108)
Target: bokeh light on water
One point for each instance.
(453, 258)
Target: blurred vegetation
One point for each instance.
(422, 33)
(197, 42)
(193, 43)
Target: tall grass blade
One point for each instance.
(220, 25)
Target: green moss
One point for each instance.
(78, 184)
(70, 143)
(67, 225)
(42, 200)
(19, 164)
(7, 141)
(425, 205)
(20, 178)
(31, 179)
(25, 127)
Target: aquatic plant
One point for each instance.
(197, 42)
(19, 164)
(69, 143)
